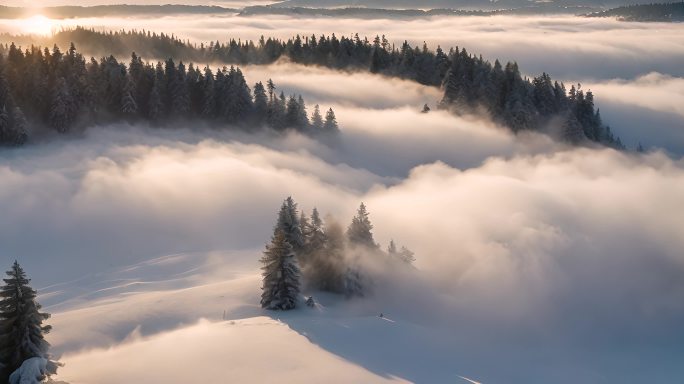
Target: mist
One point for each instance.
(537, 262)
(521, 247)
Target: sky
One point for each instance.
(536, 262)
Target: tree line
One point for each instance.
(470, 83)
(62, 91)
(671, 12)
(306, 252)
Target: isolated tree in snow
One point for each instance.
(359, 231)
(21, 324)
(281, 275)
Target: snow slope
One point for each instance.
(255, 350)
(139, 328)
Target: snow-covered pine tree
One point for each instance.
(359, 231)
(305, 227)
(314, 239)
(21, 324)
(316, 236)
(281, 275)
(353, 282)
(288, 222)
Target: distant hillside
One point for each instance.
(66, 12)
(448, 4)
(371, 13)
(646, 12)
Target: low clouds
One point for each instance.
(574, 251)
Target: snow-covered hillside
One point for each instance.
(202, 324)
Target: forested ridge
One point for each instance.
(645, 12)
(471, 84)
(40, 88)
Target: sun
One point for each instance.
(37, 25)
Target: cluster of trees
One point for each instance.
(645, 12)
(305, 251)
(62, 91)
(472, 83)
(22, 332)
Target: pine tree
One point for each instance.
(330, 124)
(353, 282)
(302, 117)
(60, 109)
(208, 100)
(21, 324)
(129, 106)
(281, 275)
(571, 130)
(243, 96)
(359, 231)
(5, 128)
(317, 119)
(156, 107)
(392, 249)
(270, 85)
(19, 133)
(288, 223)
(406, 255)
(316, 232)
(260, 102)
(292, 112)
